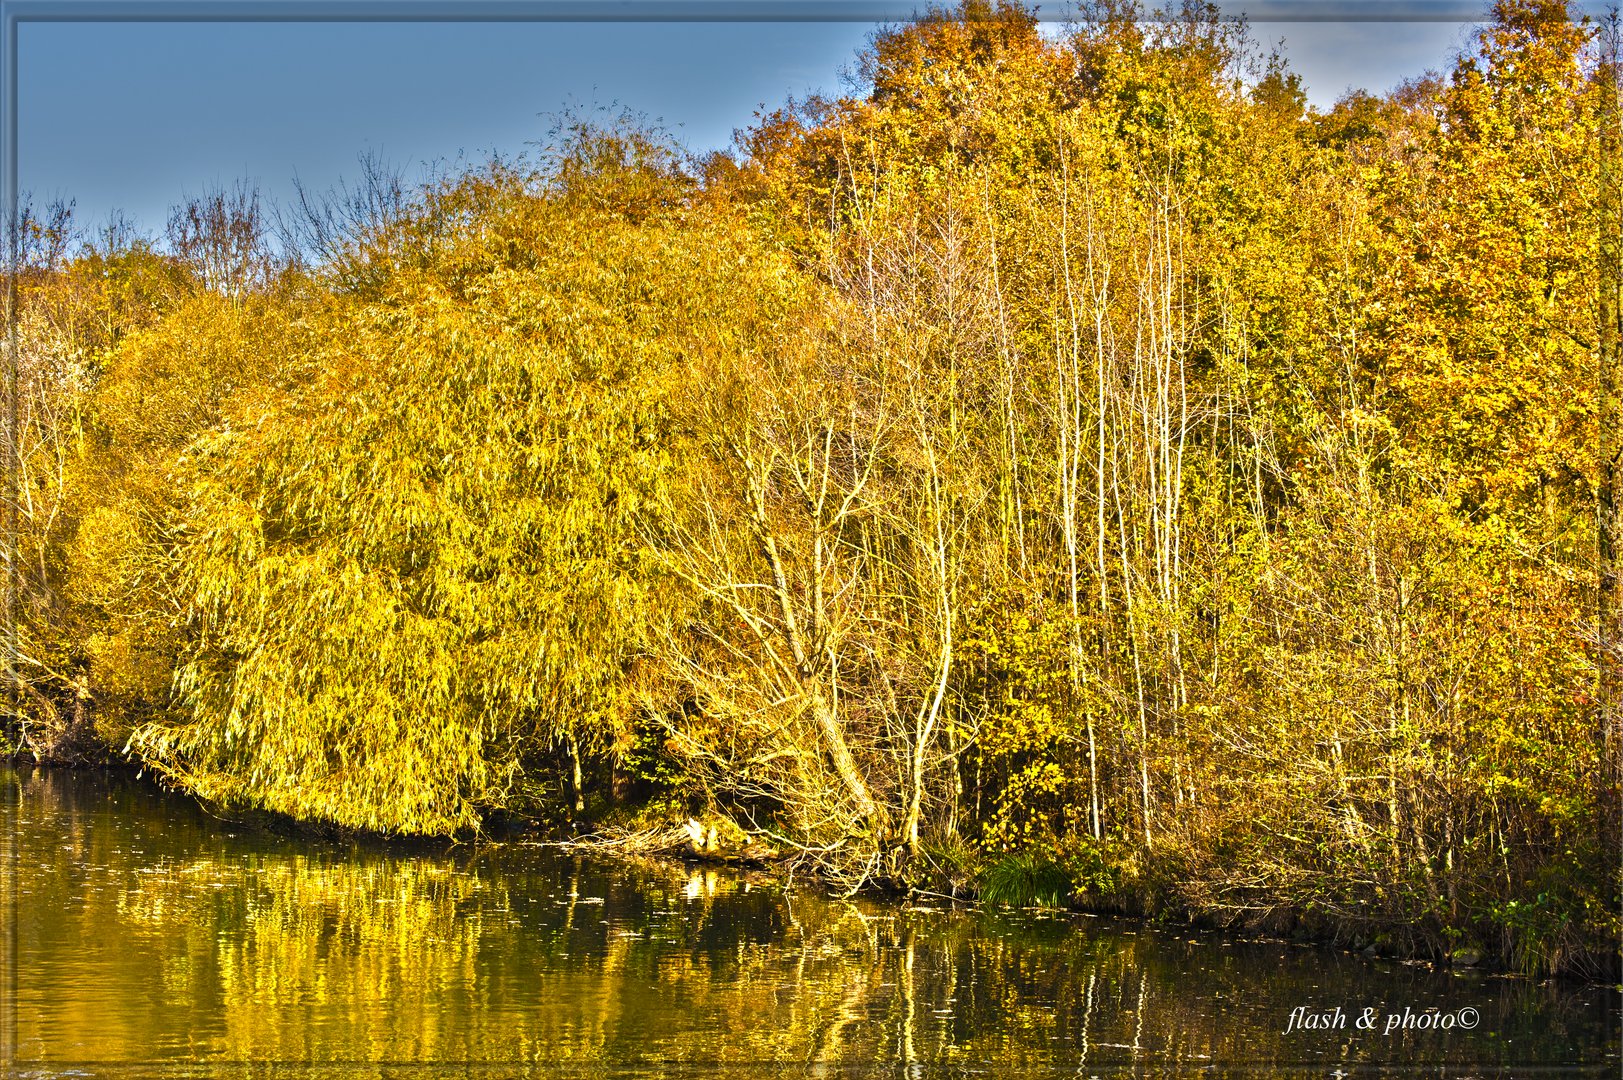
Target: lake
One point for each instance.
(150, 938)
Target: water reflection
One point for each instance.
(150, 932)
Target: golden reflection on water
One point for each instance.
(148, 932)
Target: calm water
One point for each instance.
(152, 939)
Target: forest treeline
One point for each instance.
(1067, 464)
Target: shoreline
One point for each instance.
(614, 846)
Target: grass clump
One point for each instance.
(1022, 879)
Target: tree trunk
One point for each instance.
(844, 763)
(577, 783)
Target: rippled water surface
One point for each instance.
(150, 938)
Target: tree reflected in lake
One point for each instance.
(149, 932)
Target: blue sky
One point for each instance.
(137, 116)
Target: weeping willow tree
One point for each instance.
(420, 575)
